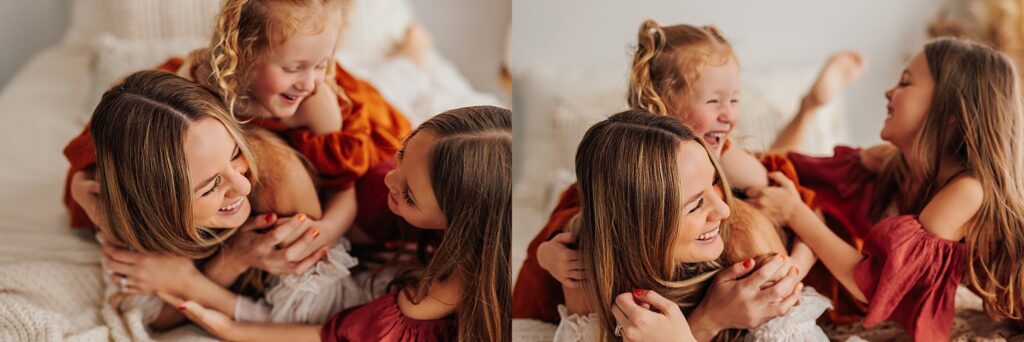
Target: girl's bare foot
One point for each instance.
(842, 69)
(415, 44)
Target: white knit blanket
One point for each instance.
(51, 289)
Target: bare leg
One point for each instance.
(415, 44)
(842, 69)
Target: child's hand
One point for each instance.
(779, 202)
(213, 321)
(562, 262)
(284, 249)
(85, 190)
(637, 322)
(147, 273)
(320, 112)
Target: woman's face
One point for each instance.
(292, 72)
(712, 106)
(909, 102)
(411, 193)
(217, 169)
(700, 221)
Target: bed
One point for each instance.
(50, 280)
(556, 104)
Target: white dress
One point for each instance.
(797, 325)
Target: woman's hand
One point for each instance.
(738, 300)
(639, 323)
(779, 202)
(148, 273)
(561, 261)
(85, 190)
(283, 249)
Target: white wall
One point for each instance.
(764, 33)
(26, 27)
(470, 33)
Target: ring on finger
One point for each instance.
(124, 283)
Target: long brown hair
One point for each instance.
(246, 33)
(668, 61)
(139, 129)
(627, 171)
(975, 119)
(470, 171)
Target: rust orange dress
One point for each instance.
(372, 132)
(537, 294)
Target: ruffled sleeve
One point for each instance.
(843, 189)
(382, 320)
(910, 276)
(536, 293)
(575, 327)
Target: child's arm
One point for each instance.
(224, 327)
(742, 169)
(320, 112)
(802, 256)
(838, 256)
(563, 263)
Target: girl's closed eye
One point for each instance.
(711, 101)
(407, 197)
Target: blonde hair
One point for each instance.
(974, 117)
(668, 61)
(627, 171)
(139, 129)
(246, 32)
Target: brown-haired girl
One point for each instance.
(691, 74)
(176, 178)
(945, 203)
(453, 174)
(272, 61)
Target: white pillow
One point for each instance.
(159, 20)
(373, 29)
(117, 58)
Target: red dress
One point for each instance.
(382, 320)
(372, 132)
(537, 294)
(908, 274)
